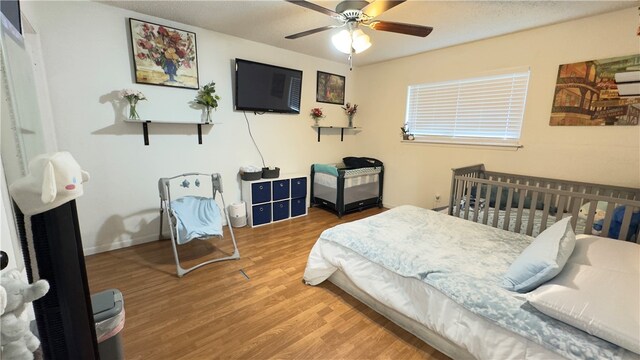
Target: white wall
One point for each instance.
(86, 50)
(416, 172)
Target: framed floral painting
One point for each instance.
(330, 88)
(163, 55)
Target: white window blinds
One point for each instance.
(484, 110)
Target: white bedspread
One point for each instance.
(407, 275)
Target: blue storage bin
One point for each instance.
(280, 210)
(298, 206)
(280, 189)
(261, 192)
(261, 214)
(299, 187)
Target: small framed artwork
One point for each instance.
(163, 55)
(330, 88)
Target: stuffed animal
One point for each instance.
(600, 211)
(53, 179)
(616, 223)
(17, 341)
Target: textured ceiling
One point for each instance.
(454, 22)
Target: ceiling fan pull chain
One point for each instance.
(351, 60)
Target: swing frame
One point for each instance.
(164, 190)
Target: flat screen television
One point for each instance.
(267, 88)
(10, 18)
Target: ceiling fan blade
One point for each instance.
(312, 31)
(312, 6)
(408, 29)
(377, 7)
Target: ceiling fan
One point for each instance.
(352, 14)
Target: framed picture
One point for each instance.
(330, 88)
(597, 93)
(163, 55)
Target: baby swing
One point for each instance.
(191, 216)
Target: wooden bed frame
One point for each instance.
(566, 197)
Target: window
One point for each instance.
(481, 111)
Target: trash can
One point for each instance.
(108, 314)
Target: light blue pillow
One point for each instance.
(543, 259)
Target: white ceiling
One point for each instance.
(454, 22)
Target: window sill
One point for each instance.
(462, 143)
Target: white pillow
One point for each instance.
(542, 259)
(606, 253)
(601, 302)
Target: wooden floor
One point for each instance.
(215, 312)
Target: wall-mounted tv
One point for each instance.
(267, 88)
(11, 21)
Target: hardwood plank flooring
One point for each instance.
(216, 313)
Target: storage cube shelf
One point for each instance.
(271, 200)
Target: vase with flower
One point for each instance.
(316, 115)
(351, 112)
(208, 98)
(132, 97)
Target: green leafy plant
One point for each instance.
(207, 97)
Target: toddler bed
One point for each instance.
(438, 277)
(343, 189)
(529, 204)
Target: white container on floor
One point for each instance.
(238, 214)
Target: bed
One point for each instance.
(436, 276)
(342, 189)
(529, 204)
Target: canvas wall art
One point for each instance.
(330, 88)
(163, 55)
(590, 93)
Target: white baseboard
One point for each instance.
(121, 244)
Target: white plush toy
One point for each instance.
(18, 342)
(601, 210)
(53, 180)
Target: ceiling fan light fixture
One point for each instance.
(354, 13)
(345, 40)
(360, 41)
(342, 41)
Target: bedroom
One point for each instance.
(120, 205)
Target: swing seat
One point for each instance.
(196, 217)
(191, 215)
